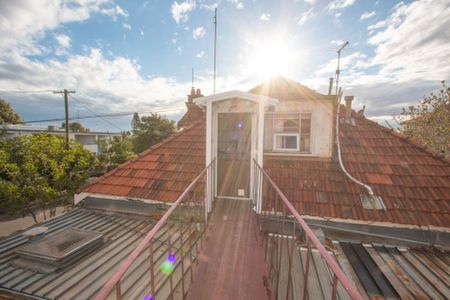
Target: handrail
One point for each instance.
(347, 285)
(115, 279)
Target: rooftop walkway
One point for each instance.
(231, 263)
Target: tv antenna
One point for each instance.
(339, 61)
(215, 48)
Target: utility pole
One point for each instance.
(339, 61)
(215, 48)
(66, 105)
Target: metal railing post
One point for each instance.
(114, 281)
(306, 275)
(272, 208)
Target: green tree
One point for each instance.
(115, 151)
(428, 122)
(8, 114)
(135, 123)
(37, 172)
(75, 127)
(152, 129)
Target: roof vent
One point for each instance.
(58, 250)
(372, 202)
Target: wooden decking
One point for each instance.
(231, 263)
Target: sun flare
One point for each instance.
(270, 59)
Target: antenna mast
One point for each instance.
(215, 47)
(339, 61)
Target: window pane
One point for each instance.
(305, 143)
(305, 133)
(286, 142)
(306, 126)
(286, 123)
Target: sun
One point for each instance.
(269, 59)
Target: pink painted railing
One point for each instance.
(198, 194)
(270, 202)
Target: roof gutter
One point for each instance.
(341, 164)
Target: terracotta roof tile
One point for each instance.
(413, 182)
(160, 173)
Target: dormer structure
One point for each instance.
(235, 137)
(279, 118)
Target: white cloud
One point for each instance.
(23, 23)
(200, 54)
(305, 16)
(239, 4)
(141, 31)
(209, 7)
(378, 25)
(63, 40)
(311, 2)
(340, 4)
(114, 12)
(337, 42)
(367, 15)
(424, 53)
(198, 33)
(355, 60)
(265, 17)
(126, 26)
(180, 11)
(410, 58)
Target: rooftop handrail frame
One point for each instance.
(114, 281)
(338, 274)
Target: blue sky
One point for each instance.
(125, 56)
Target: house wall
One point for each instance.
(321, 126)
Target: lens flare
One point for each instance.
(167, 267)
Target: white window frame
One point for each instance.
(297, 135)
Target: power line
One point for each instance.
(27, 92)
(87, 108)
(110, 115)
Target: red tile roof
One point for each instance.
(160, 173)
(286, 89)
(413, 182)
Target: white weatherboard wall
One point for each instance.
(321, 126)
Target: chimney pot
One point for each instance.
(330, 86)
(348, 106)
(198, 93)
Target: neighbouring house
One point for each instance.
(377, 202)
(89, 140)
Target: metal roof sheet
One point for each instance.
(84, 278)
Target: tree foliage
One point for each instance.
(8, 114)
(75, 127)
(115, 151)
(428, 122)
(36, 171)
(150, 130)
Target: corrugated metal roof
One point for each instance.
(378, 271)
(83, 278)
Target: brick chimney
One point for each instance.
(348, 107)
(330, 86)
(194, 112)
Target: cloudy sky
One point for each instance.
(125, 56)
